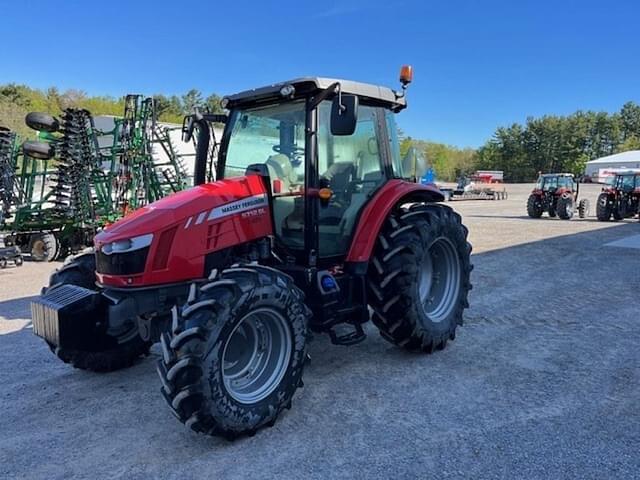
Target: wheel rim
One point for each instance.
(38, 249)
(439, 280)
(256, 356)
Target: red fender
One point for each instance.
(375, 213)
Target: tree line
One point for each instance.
(18, 100)
(560, 143)
(549, 143)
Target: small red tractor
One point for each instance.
(620, 199)
(556, 194)
(309, 227)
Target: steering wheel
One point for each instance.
(294, 152)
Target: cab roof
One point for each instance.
(382, 96)
(547, 175)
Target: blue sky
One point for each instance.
(477, 64)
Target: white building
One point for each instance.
(604, 167)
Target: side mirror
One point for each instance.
(344, 114)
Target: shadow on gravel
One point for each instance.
(560, 281)
(554, 219)
(16, 308)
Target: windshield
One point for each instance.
(272, 135)
(566, 182)
(626, 182)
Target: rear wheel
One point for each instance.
(43, 247)
(534, 206)
(566, 207)
(235, 354)
(419, 277)
(3, 263)
(119, 349)
(603, 208)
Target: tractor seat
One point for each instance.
(280, 167)
(339, 175)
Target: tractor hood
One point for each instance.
(196, 203)
(176, 238)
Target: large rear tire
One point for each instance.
(122, 350)
(419, 277)
(534, 206)
(603, 208)
(236, 351)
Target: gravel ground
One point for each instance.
(543, 381)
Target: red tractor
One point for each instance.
(556, 194)
(309, 227)
(621, 199)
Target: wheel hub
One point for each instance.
(256, 356)
(439, 280)
(39, 249)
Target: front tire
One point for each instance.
(121, 351)
(566, 207)
(235, 354)
(418, 278)
(619, 209)
(584, 208)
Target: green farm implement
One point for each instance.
(57, 192)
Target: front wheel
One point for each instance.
(112, 351)
(584, 208)
(235, 354)
(418, 278)
(620, 209)
(566, 207)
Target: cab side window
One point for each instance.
(351, 167)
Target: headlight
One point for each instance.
(128, 244)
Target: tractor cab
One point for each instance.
(553, 182)
(627, 182)
(324, 146)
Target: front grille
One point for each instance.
(129, 263)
